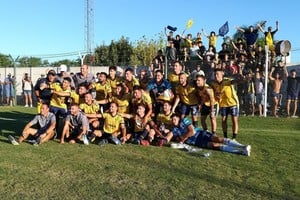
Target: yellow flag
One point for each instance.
(190, 23)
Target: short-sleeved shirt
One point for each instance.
(145, 100)
(102, 90)
(187, 94)
(89, 109)
(181, 129)
(123, 102)
(112, 124)
(165, 119)
(131, 84)
(174, 80)
(79, 79)
(113, 83)
(225, 93)
(138, 127)
(56, 100)
(45, 94)
(76, 98)
(44, 122)
(79, 121)
(154, 88)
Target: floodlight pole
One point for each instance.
(266, 79)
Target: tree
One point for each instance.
(5, 61)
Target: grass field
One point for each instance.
(54, 171)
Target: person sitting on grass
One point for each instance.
(113, 125)
(142, 133)
(183, 131)
(46, 122)
(76, 126)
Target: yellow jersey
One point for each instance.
(187, 94)
(89, 109)
(173, 79)
(145, 100)
(138, 126)
(225, 93)
(123, 102)
(165, 119)
(76, 98)
(131, 84)
(102, 90)
(113, 83)
(58, 101)
(112, 123)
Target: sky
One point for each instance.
(45, 27)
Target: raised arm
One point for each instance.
(240, 29)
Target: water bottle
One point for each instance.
(162, 127)
(207, 154)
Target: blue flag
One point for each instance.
(224, 29)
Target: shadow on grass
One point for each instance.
(13, 122)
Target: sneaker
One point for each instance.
(136, 141)
(178, 145)
(92, 137)
(247, 150)
(37, 142)
(85, 140)
(12, 140)
(115, 140)
(294, 116)
(103, 142)
(26, 106)
(31, 106)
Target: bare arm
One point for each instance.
(190, 132)
(240, 29)
(204, 33)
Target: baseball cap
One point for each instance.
(62, 68)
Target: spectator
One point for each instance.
(269, 35)
(212, 38)
(27, 90)
(277, 77)
(259, 91)
(293, 88)
(9, 89)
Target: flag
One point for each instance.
(190, 23)
(172, 28)
(224, 29)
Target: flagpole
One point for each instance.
(266, 79)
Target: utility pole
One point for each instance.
(14, 61)
(88, 25)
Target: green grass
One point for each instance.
(54, 171)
